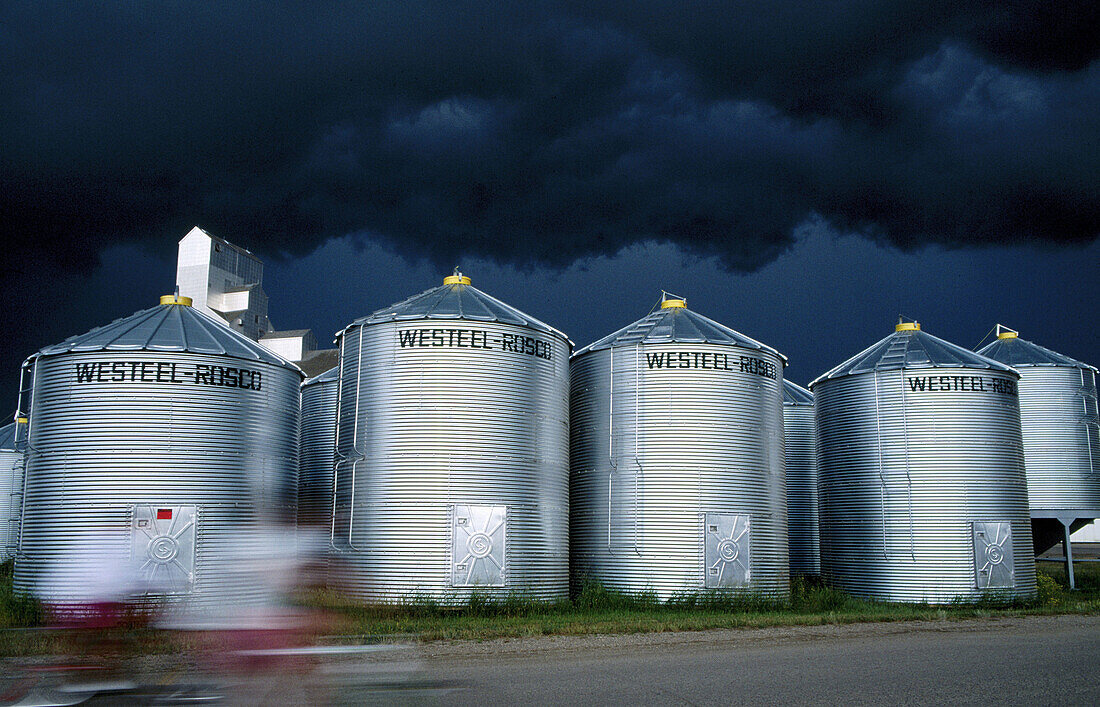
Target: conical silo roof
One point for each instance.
(456, 300)
(909, 347)
(172, 326)
(1011, 350)
(794, 394)
(332, 374)
(673, 322)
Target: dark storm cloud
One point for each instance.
(550, 132)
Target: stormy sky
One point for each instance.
(801, 171)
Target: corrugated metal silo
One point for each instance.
(921, 473)
(1061, 428)
(317, 454)
(155, 442)
(676, 459)
(800, 460)
(452, 451)
(11, 490)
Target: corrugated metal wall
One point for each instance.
(904, 473)
(424, 430)
(318, 452)
(98, 448)
(800, 450)
(655, 450)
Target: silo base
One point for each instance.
(1046, 532)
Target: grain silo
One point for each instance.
(921, 473)
(317, 453)
(452, 451)
(155, 443)
(11, 488)
(676, 459)
(800, 461)
(1061, 431)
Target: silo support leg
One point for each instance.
(1067, 547)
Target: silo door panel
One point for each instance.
(477, 545)
(993, 559)
(163, 547)
(726, 542)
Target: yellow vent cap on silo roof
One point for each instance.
(456, 278)
(671, 301)
(907, 326)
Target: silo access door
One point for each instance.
(994, 564)
(163, 547)
(726, 549)
(478, 534)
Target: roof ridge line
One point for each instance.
(164, 318)
(148, 314)
(205, 322)
(507, 306)
(115, 336)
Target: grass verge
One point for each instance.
(594, 610)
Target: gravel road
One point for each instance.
(1034, 660)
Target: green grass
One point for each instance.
(593, 610)
(15, 611)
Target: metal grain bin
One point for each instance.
(11, 489)
(921, 473)
(317, 454)
(1061, 428)
(800, 455)
(676, 459)
(155, 442)
(452, 451)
